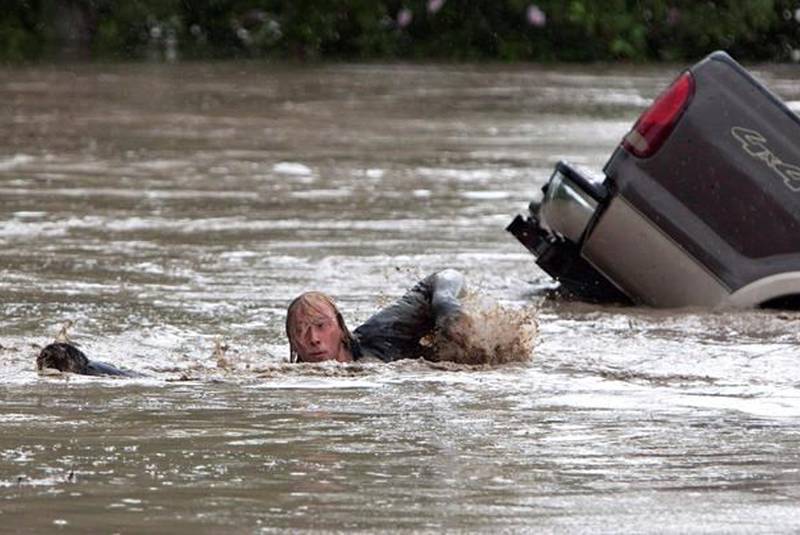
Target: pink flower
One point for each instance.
(435, 5)
(673, 16)
(536, 17)
(404, 17)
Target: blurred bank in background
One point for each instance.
(504, 30)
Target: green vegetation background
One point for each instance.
(505, 30)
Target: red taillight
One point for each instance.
(656, 124)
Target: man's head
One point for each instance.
(316, 330)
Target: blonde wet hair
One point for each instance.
(319, 303)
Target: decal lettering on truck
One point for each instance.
(755, 144)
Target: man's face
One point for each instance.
(317, 335)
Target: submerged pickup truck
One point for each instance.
(699, 205)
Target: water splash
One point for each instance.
(487, 333)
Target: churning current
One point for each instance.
(170, 212)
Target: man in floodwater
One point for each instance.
(429, 321)
(317, 331)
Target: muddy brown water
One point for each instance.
(165, 207)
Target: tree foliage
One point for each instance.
(510, 30)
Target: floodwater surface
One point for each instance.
(168, 209)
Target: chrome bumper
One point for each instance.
(557, 225)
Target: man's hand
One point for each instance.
(454, 328)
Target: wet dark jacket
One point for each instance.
(395, 332)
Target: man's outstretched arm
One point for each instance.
(395, 331)
(448, 286)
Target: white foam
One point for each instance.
(29, 215)
(15, 161)
(292, 168)
(322, 194)
(485, 195)
(161, 165)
